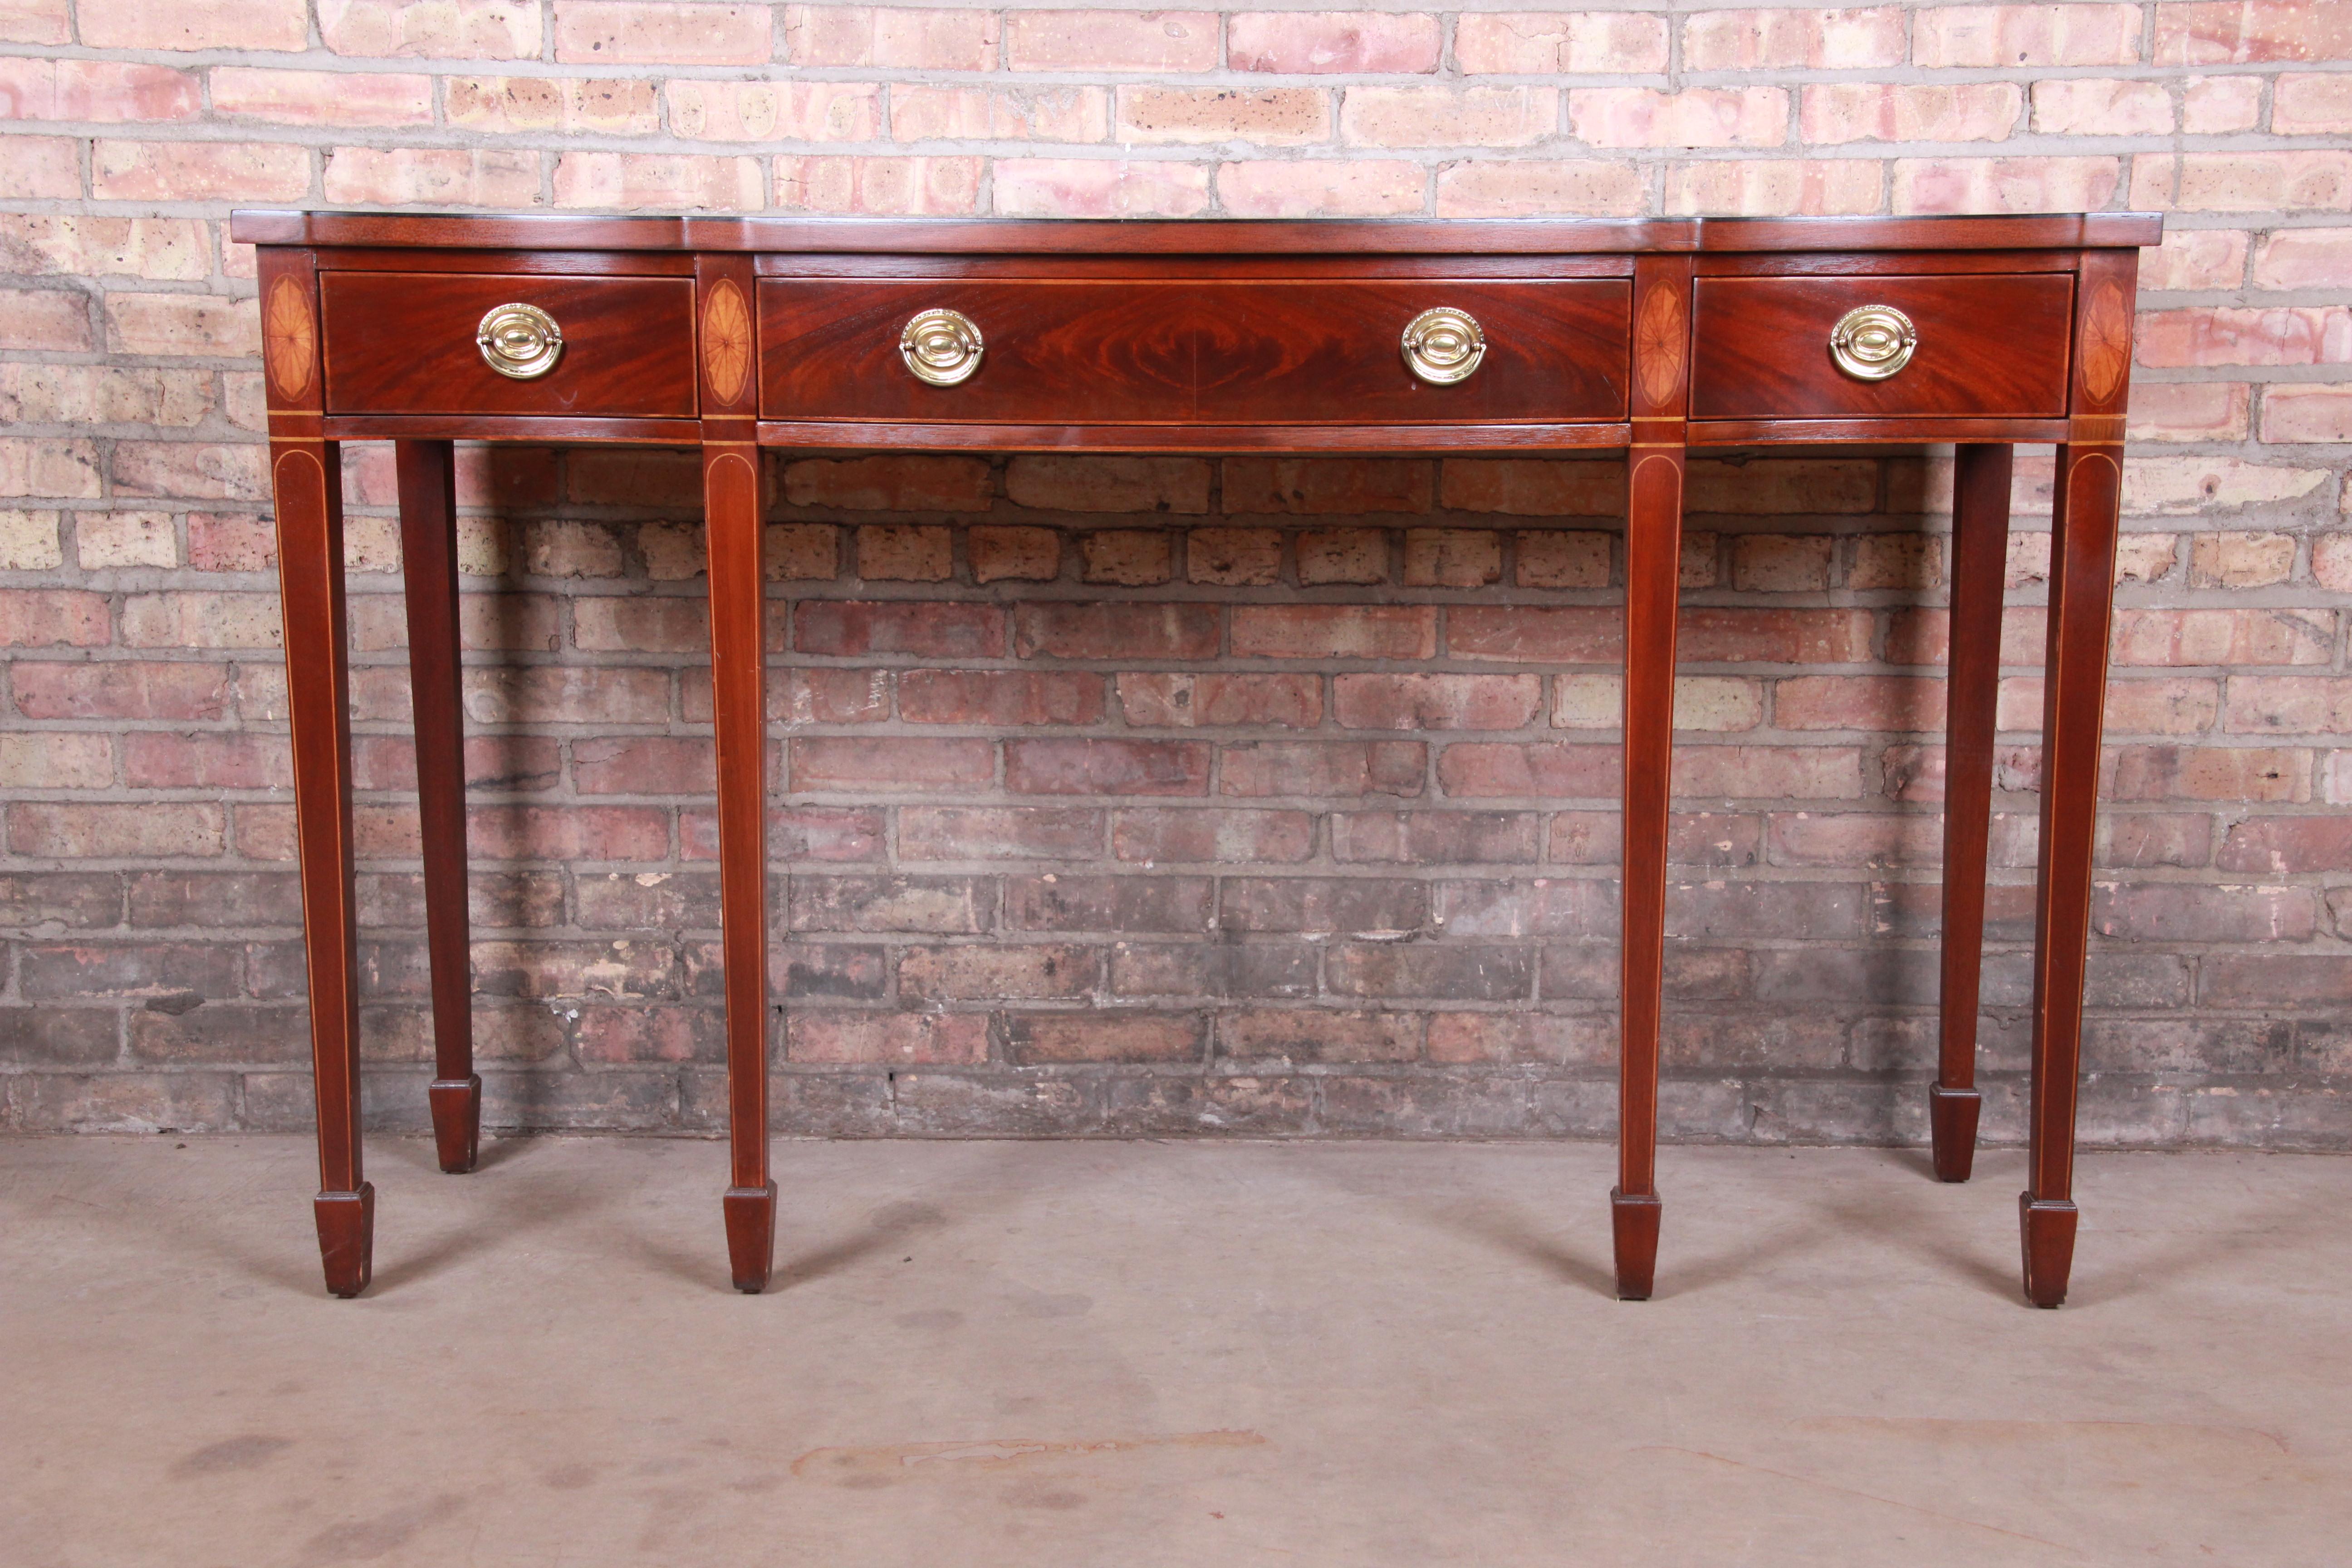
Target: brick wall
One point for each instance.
(1165, 796)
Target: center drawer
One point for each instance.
(1252, 351)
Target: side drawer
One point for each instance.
(403, 343)
(1249, 352)
(1987, 345)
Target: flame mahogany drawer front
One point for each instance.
(405, 342)
(1066, 351)
(1984, 345)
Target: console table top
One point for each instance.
(551, 231)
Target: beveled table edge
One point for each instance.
(552, 231)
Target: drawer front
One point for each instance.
(403, 343)
(1988, 345)
(1088, 351)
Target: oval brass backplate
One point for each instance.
(519, 341)
(1872, 342)
(1444, 346)
(942, 346)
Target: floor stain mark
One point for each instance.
(249, 1452)
(866, 1467)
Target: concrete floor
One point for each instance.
(1146, 1356)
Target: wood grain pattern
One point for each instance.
(1537, 237)
(1273, 353)
(727, 343)
(290, 339)
(405, 344)
(1196, 337)
(1763, 347)
(1980, 483)
(426, 473)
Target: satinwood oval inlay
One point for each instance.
(1658, 345)
(290, 339)
(726, 341)
(2107, 342)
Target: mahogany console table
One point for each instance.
(1652, 337)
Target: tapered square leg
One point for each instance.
(1980, 486)
(428, 558)
(1952, 1116)
(1634, 1227)
(2046, 1227)
(347, 1239)
(750, 1235)
(457, 1122)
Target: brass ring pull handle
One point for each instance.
(942, 347)
(1444, 346)
(1872, 342)
(519, 341)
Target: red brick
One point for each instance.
(1034, 1039)
(973, 113)
(2228, 32)
(125, 689)
(1217, 116)
(1000, 698)
(321, 97)
(1544, 43)
(2317, 414)
(1774, 636)
(108, 92)
(1353, 556)
(156, 760)
(1858, 703)
(1233, 557)
(892, 764)
(39, 617)
(1353, 43)
(2210, 772)
(1437, 701)
(1184, 700)
(1185, 835)
(1835, 112)
(53, 320)
(900, 38)
(658, 31)
(1000, 833)
(1557, 558)
(2301, 259)
(2222, 636)
(1549, 769)
(1108, 767)
(2006, 37)
(2278, 335)
(1469, 1038)
(465, 29)
(897, 187)
(2005, 184)
(1101, 41)
(1434, 838)
(2287, 846)
(927, 631)
(1531, 188)
(1334, 631)
(1319, 1035)
(1695, 117)
(1531, 634)
(527, 105)
(1868, 38)
(198, 170)
(995, 972)
(148, 830)
(568, 833)
(657, 180)
(1448, 116)
(1452, 558)
(642, 764)
(1108, 484)
(1014, 555)
(1099, 187)
(1311, 768)
(2180, 912)
(891, 483)
(886, 1039)
(1756, 773)
(1535, 487)
(1126, 557)
(1107, 631)
(196, 25)
(1318, 487)
(905, 553)
(1126, 902)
